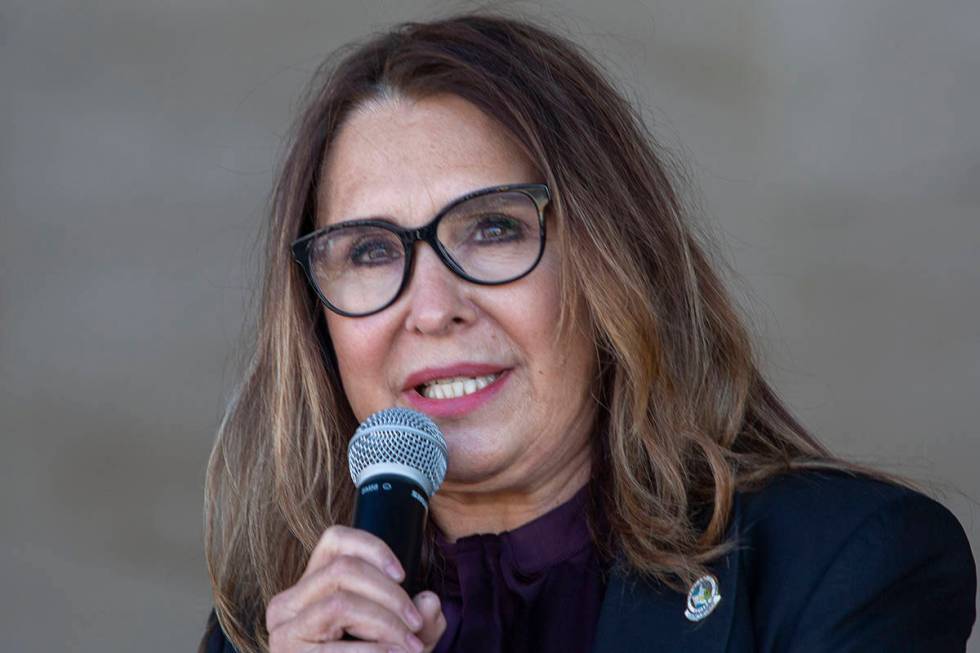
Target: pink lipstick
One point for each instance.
(454, 390)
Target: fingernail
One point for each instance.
(413, 618)
(394, 570)
(431, 601)
(414, 643)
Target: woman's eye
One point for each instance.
(497, 229)
(374, 252)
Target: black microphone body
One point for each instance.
(394, 508)
(397, 461)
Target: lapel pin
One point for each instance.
(702, 598)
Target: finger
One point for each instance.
(349, 647)
(335, 647)
(345, 612)
(433, 620)
(343, 540)
(349, 574)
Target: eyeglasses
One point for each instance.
(490, 237)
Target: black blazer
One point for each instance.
(822, 562)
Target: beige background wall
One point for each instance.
(837, 148)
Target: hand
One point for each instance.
(351, 585)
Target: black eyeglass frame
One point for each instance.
(538, 193)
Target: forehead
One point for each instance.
(406, 158)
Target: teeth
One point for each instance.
(455, 387)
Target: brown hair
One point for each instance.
(685, 417)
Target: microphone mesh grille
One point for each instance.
(400, 436)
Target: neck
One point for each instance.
(459, 512)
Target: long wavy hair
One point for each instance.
(685, 418)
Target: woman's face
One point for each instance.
(404, 160)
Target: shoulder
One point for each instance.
(815, 499)
(827, 553)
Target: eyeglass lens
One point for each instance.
(492, 238)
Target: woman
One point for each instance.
(621, 477)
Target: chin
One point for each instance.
(468, 464)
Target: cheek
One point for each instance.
(535, 303)
(565, 364)
(539, 316)
(560, 368)
(361, 350)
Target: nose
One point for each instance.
(436, 298)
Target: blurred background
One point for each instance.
(836, 156)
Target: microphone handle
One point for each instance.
(394, 508)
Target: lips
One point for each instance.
(462, 371)
(454, 390)
(455, 387)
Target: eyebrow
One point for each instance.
(371, 218)
(390, 220)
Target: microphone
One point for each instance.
(397, 461)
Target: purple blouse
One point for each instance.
(536, 588)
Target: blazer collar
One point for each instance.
(642, 615)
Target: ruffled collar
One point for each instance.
(534, 547)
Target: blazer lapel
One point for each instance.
(642, 615)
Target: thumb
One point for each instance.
(433, 621)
